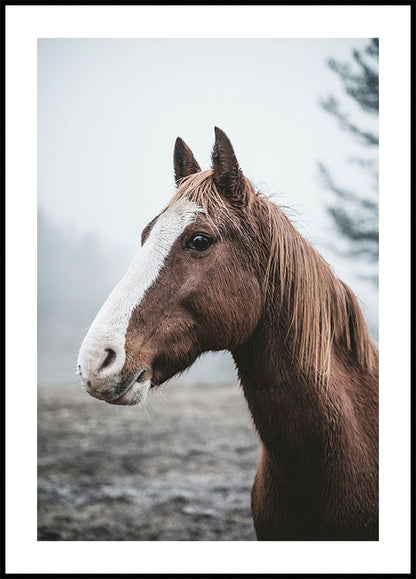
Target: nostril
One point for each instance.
(111, 355)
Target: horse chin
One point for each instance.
(162, 372)
(136, 394)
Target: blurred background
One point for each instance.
(302, 115)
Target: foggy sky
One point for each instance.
(110, 111)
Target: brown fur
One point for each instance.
(307, 365)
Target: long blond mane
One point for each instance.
(322, 311)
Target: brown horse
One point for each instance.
(222, 268)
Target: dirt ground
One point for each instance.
(178, 469)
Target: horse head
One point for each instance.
(193, 286)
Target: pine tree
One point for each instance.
(355, 213)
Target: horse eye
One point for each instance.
(199, 242)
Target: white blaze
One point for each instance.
(108, 330)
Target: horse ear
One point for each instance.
(183, 161)
(227, 175)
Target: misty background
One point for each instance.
(109, 112)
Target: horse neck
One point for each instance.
(284, 407)
(295, 414)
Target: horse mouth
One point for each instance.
(139, 375)
(136, 392)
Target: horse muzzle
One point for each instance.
(100, 367)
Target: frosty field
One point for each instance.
(181, 468)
